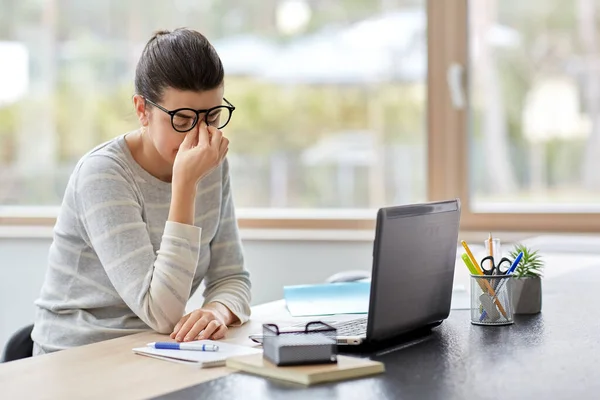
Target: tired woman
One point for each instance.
(148, 216)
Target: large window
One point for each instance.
(330, 95)
(520, 112)
(535, 106)
(342, 106)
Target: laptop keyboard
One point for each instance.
(354, 327)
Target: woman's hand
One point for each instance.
(201, 151)
(209, 322)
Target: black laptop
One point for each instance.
(414, 255)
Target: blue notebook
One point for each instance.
(328, 298)
(344, 298)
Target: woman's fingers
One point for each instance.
(210, 329)
(203, 139)
(195, 330)
(215, 137)
(223, 148)
(190, 140)
(194, 318)
(220, 333)
(178, 326)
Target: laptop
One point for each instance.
(414, 255)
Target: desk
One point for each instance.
(554, 355)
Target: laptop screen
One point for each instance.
(413, 267)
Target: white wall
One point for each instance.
(272, 264)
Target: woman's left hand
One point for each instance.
(204, 323)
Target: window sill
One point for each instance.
(281, 235)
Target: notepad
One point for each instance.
(201, 359)
(328, 298)
(345, 368)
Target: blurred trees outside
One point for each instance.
(82, 74)
(83, 55)
(539, 119)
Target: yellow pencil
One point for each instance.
(472, 257)
(485, 282)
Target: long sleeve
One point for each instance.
(155, 286)
(227, 281)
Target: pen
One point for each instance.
(511, 269)
(183, 346)
(501, 285)
(490, 290)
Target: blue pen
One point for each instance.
(183, 346)
(510, 271)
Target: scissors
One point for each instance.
(500, 269)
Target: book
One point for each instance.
(201, 359)
(345, 368)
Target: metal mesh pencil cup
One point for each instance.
(315, 344)
(491, 300)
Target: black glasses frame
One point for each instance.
(206, 112)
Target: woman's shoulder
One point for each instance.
(107, 157)
(107, 160)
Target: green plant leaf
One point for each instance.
(531, 265)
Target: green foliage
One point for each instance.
(531, 265)
(8, 123)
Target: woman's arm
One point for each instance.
(227, 282)
(155, 286)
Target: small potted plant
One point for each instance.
(527, 282)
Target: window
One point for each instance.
(535, 106)
(520, 142)
(330, 96)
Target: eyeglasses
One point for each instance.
(185, 119)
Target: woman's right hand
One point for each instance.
(201, 151)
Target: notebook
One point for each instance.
(345, 368)
(201, 359)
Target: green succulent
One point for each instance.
(531, 265)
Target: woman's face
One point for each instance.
(165, 138)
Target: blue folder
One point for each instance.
(328, 298)
(344, 298)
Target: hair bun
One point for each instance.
(161, 33)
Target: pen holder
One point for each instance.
(491, 300)
(315, 344)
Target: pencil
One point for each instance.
(490, 243)
(489, 289)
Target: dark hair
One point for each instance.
(182, 59)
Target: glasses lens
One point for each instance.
(184, 120)
(219, 117)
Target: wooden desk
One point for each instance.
(110, 370)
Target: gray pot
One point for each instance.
(527, 295)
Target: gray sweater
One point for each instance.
(117, 266)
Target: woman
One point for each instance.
(148, 216)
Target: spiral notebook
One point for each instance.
(200, 359)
